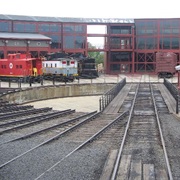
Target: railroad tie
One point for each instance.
(124, 167)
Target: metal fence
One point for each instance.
(106, 98)
(174, 92)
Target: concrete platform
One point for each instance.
(80, 104)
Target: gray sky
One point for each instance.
(93, 8)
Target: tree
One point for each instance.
(98, 56)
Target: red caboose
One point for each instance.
(165, 64)
(20, 66)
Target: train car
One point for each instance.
(59, 67)
(67, 67)
(165, 64)
(20, 66)
(87, 68)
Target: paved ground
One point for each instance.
(80, 104)
(87, 103)
(101, 79)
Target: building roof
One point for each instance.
(65, 19)
(4, 35)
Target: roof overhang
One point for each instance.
(66, 19)
(23, 36)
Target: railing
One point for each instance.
(174, 92)
(106, 98)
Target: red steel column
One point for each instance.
(133, 54)
(108, 56)
(86, 42)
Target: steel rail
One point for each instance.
(84, 143)
(7, 102)
(161, 136)
(116, 166)
(12, 109)
(51, 139)
(6, 105)
(20, 108)
(34, 117)
(44, 117)
(16, 114)
(49, 128)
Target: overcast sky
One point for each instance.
(129, 9)
(93, 8)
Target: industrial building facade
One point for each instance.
(129, 44)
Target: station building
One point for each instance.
(129, 46)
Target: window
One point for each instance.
(140, 43)
(175, 31)
(68, 28)
(54, 28)
(165, 24)
(150, 24)
(75, 29)
(29, 28)
(166, 31)
(120, 56)
(5, 26)
(18, 27)
(24, 27)
(79, 42)
(115, 67)
(79, 29)
(150, 31)
(56, 40)
(146, 27)
(175, 23)
(140, 31)
(18, 66)
(43, 28)
(175, 43)
(120, 30)
(64, 62)
(165, 43)
(151, 43)
(69, 42)
(140, 24)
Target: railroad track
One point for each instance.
(87, 146)
(80, 132)
(142, 152)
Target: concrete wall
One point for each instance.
(49, 92)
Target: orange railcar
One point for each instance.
(20, 66)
